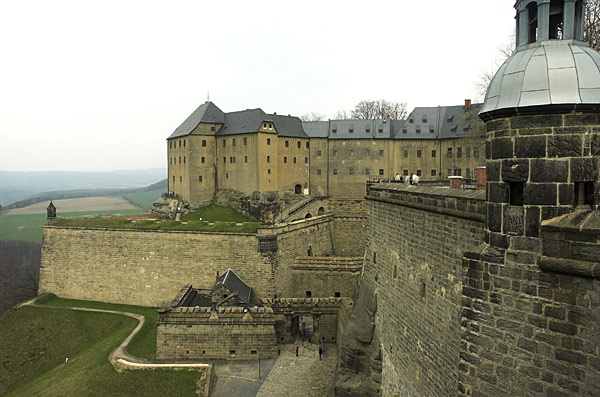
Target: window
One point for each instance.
(431, 129)
(467, 152)
(318, 153)
(200, 178)
(418, 129)
(224, 142)
(305, 160)
(335, 152)
(405, 153)
(335, 171)
(424, 118)
(515, 191)
(170, 161)
(459, 153)
(253, 352)
(337, 294)
(411, 120)
(405, 172)
(227, 175)
(232, 142)
(433, 153)
(179, 160)
(245, 159)
(457, 172)
(584, 193)
(270, 126)
(449, 153)
(231, 353)
(468, 173)
(184, 143)
(287, 143)
(204, 143)
(334, 129)
(245, 141)
(351, 153)
(404, 130)
(183, 159)
(268, 159)
(433, 173)
(170, 145)
(212, 127)
(449, 171)
(307, 294)
(180, 179)
(381, 172)
(380, 129)
(367, 171)
(367, 129)
(367, 152)
(418, 152)
(285, 160)
(307, 144)
(351, 171)
(173, 178)
(318, 171)
(299, 145)
(269, 171)
(230, 160)
(476, 152)
(294, 160)
(351, 129)
(202, 160)
(180, 143)
(268, 141)
(418, 172)
(381, 152)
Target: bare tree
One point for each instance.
(485, 78)
(592, 24)
(312, 117)
(341, 115)
(381, 109)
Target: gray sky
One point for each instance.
(100, 85)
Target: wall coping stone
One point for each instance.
(149, 230)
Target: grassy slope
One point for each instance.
(145, 199)
(35, 342)
(29, 227)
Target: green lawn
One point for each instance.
(145, 199)
(214, 219)
(35, 342)
(29, 227)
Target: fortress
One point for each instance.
(461, 292)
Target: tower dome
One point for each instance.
(552, 65)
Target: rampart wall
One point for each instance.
(416, 237)
(147, 267)
(322, 277)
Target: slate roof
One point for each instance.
(441, 122)
(208, 112)
(233, 283)
(316, 129)
(454, 125)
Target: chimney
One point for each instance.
(455, 182)
(467, 105)
(481, 177)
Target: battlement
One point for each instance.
(219, 315)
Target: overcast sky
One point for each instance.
(100, 85)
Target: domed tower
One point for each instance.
(543, 123)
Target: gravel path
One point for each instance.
(301, 376)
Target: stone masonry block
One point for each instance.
(566, 194)
(494, 217)
(530, 147)
(493, 171)
(584, 169)
(502, 148)
(532, 222)
(515, 170)
(548, 120)
(512, 222)
(565, 146)
(497, 192)
(540, 194)
(495, 125)
(582, 119)
(549, 170)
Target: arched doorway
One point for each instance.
(309, 215)
(321, 211)
(298, 189)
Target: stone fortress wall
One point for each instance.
(148, 267)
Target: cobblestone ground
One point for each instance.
(301, 376)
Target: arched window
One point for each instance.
(557, 8)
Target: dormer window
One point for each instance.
(418, 129)
(431, 128)
(424, 118)
(334, 129)
(351, 128)
(380, 129)
(404, 130)
(367, 129)
(411, 120)
(450, 118)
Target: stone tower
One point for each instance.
(531, 322)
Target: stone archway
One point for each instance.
(298, 189)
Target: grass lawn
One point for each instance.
(29, 227)
(35, 342)
(144, 199)
(223, 219)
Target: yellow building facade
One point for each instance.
(252, 151)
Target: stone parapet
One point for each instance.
(326, 263)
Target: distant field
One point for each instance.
(28, 227)
(77, 205)
(145, 199)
